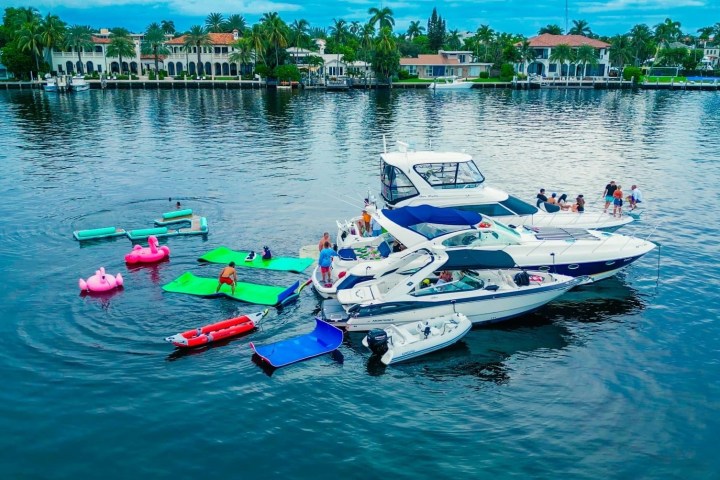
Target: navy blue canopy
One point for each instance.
(410, 216)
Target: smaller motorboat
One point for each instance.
(231, 327)
(398, 343)
(450, 83)
(149, 254)
(101, 282)
(50, 83)
(78, 84)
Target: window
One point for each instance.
(552, 68)
(450, 175)
(98, 48)
(395, 184)
(461, 58)
(217, 49)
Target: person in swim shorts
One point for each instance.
(228, 276)
(608, 194)
(325, 262)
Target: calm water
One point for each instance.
(616, 379)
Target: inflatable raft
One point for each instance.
(231, 327)
(98, 233)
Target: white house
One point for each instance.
(95, 59)
(214, 58)
(445, 63)
(543, 46)
(333, 64)
(711, 57)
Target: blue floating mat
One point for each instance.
(324, 339)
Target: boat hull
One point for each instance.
(484, 309)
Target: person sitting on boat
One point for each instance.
(579, 205)
(266, 254)
(228, 276)
(325, 262)
(541, 197)
(635, 197)
(445, 277)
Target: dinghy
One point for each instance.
(231, 327)
(398, 343)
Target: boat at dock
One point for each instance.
(78, 84)
(450, 83)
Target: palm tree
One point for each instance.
(640, 41)
(705, 33)
(366, 39)
(154, 43)
(120, 46)
(580, 27)
(551, 29)
(385, 46)
(665, 32)
(383, 16)
(52, 32)
(276, 31)
(235, 22)
(243, 52)
(197, 37)
(256, 37)
(214, 22)
(15, 18)
(79, 37)
(620, 50)
(168, 27)
(561, 54)
(338, 32)
(29, 39)
(355, 28)
(414, 30)
(318, 32)
(453, 40)
(299, 33)
(586, 54)
(484, 35)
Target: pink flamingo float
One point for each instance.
(101, 282)
(149, 254)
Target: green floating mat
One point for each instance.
(285, 264)
(205, 287)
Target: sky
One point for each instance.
(605, 17)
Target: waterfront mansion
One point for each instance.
(543, 46)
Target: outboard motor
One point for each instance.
(377, 341)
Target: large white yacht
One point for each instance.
(452, 179)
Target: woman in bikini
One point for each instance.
(228, 276)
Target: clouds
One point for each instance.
(181, 7)
(616, 5)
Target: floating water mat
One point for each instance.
(98, 233)
(324, 339)
(177, 216)
(286, 264)
(197, 226)
(189, 284)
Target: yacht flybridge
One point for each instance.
(452, 179)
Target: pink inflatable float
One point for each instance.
(101, 282)
(149, 254)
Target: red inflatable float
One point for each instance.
(217, 331)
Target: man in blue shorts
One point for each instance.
(608, 194)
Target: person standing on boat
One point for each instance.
(228, 276)
(617, 202)
(366, 222)
(608, 194)
(635, 197)
(325, 262)
(325, 239)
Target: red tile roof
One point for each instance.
(215, 39)
(429, 60)
(100, 39)
(549, 40)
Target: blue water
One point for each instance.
(617, 379)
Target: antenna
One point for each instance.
(566, 17)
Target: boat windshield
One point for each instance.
(510, 206)
(434, 230)
(466, 283)
(396, 186)
(451, 174)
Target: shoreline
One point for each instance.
(171, 84)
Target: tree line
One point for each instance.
(27, 37)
